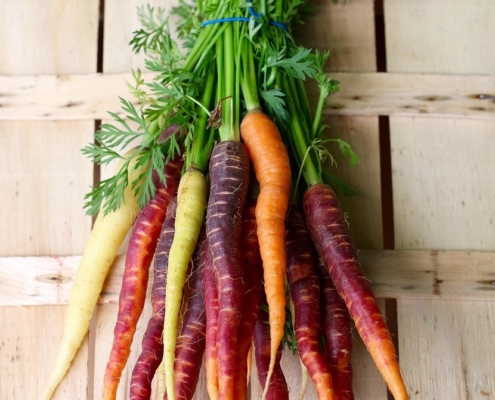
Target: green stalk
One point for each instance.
(227, 130)
(299, 140)
(248, 79)
(201, 145)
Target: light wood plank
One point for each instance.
(446, 37)
(45, 37)
(44, 180)
(440, 197)
(28, 341)
(428, 274)
(76, 97)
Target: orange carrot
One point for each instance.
(271, 166)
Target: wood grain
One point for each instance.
(429, 274)
(76, 97)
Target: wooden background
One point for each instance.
(418, 106)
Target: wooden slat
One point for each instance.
(74, 97)
(443, 194)
(429, 274)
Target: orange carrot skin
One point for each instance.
(305, 293)
(209, 280)
(152, 346)
(140, 251)
(328, 229)
(272, 169)
(229, 175)
(336, 323)
(277, 389)
(252, 274)
(191, 339)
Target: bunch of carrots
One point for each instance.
(225, 196)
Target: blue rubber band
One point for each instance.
(245, 19)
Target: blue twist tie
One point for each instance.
(245, 19)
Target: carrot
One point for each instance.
(107, 235)
(271, 166)
(152, 346)
(336, 323)
(191, 204)
(252, 275)
(209, 279)
(140, 251)
(275, 388)
(305, 293)
(328, 229)
(191, 338)
(229, 174)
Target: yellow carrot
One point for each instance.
(191, 204)
(100, 251)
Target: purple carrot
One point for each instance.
(229, 174)
(328, 229)
(252, 275)
(209, 280)
(336, 323)
(278, 389)
(152, 345)
(191, 339)
(305, 293)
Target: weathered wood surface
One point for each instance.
(401, 274)
(76, 97)
(443, 194)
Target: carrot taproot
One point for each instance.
(107, 235)
(140, 251)
(276, 387)
(152, 346)
(229, 175)
(209, 279)
(191, 338)
(328, 229)
(252, 275)
(191, 204)
(305, 293)
(336, 329)
(272, 169)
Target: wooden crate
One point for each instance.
(417, 104)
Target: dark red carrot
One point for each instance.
(305, 293)
(277, 389)
(252, 275)
(336, 324)
(229, 174)
(328, 229)
(152, 345)
(140, 251)
(191, 339)
(208, 277)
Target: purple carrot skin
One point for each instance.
(152, 346)
(252, 274)
(191, 339)
(140, 251)
(336, 324)
(278, 389)
(328, 229)
(208, 278)
(229, 174)
(305, 293)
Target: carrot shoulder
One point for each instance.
(272, 169)
(328, 229)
